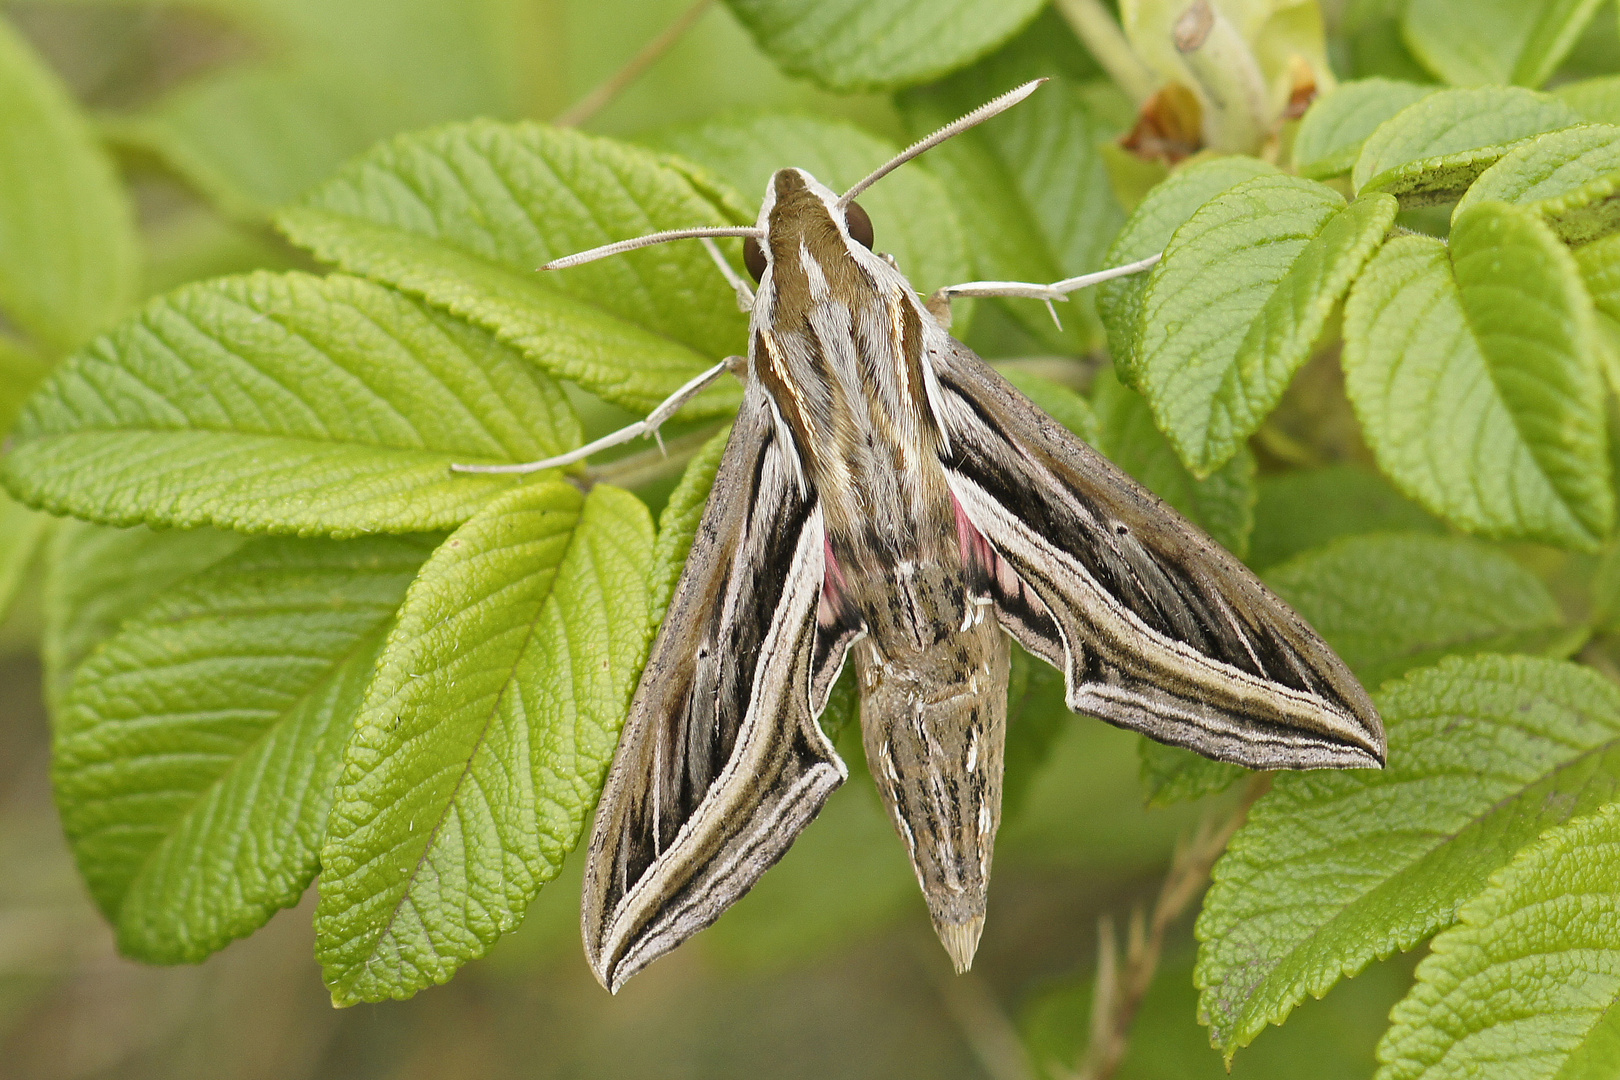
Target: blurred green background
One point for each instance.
(219, 109)
(828, 969)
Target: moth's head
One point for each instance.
(802, 213)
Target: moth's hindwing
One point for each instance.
(1155, 626)
(721, 763)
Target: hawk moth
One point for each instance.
(887, 499)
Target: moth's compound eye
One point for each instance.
(860, 226)
(754, 258)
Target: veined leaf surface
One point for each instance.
(284, 403)
(1430, 152)
(463, 215)
(1389, 603)
(878, 44)
(1570, 177)
(1335, 869)
(1473, 369)
(1147, 232)
(1221, 504)
(1245, 288)
(197, 748)
(484, 739)
(1527, 983)
(97, 579)
(1331, 133)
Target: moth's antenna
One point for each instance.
(951, 130)
(648, 241)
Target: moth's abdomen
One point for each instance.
(934, 722)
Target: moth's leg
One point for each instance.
(1057, 290)
(647, 428)
(745, 295)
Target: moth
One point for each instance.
(886, 498)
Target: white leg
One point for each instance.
(745, 295)
(647, 428)
(1058, 290)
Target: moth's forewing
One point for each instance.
(1156, 627)
(721, 763)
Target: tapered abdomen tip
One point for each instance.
(961, 940)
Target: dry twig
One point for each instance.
(598, 99)
(1120, 990)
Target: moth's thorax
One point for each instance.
(839, 340)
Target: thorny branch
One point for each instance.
(1120, 991)
(598, 99)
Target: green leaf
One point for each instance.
(842, 714)
(1389, 603)
(1547, 166)
(1244, 290)
(1526, 984)
(1599, 264)
(21, 371)
(96, 579)
(1570, 177)
(1059, 402)
(912, 214)
(678, 524)
(1030, 187)
(849, 45)
(1222, 504)
(1334, 869)
(335, 78)
(485, 736)
(1430, 151)
(1492, 417)
(197, 748)
(1603, 592)
(1608, 338)
(1148, 232)
(22, 531)
(1375, 48)
(1171, 774)
(284, 403)
(68, 253)
(1304, 509)
(1597, 100)
(462, 215)
(1330, 136)
(1494, 41)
